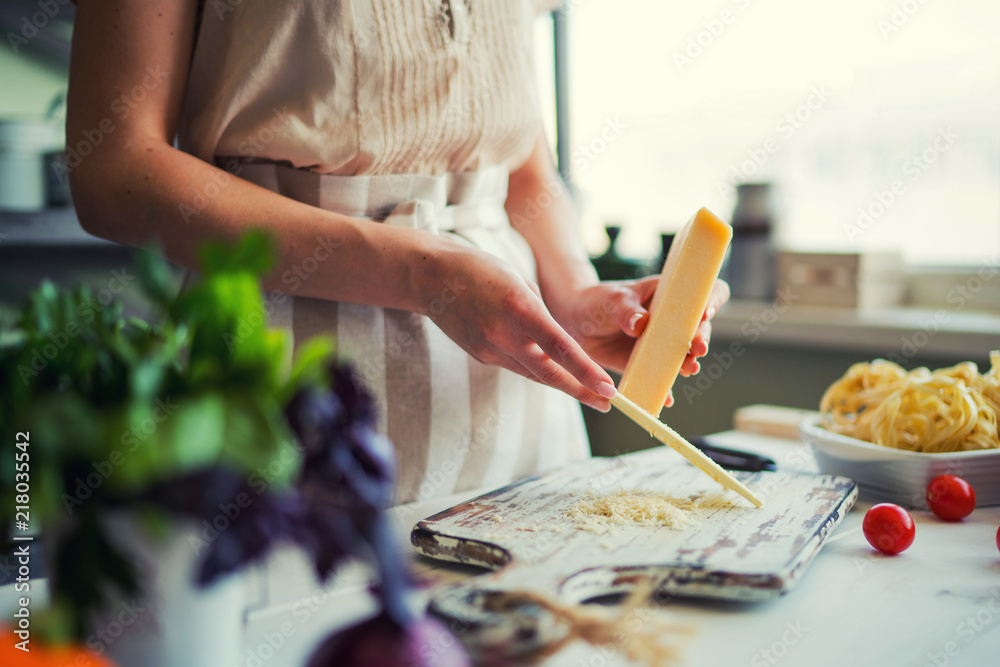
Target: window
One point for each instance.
(878, 122)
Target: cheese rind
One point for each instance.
(678, 304)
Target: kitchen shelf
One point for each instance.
(53, 227)
(945, 331)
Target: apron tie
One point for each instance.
(446, 203)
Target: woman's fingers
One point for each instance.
(717, 299)
(702, 337)
(534, 345)
(699, 348)
(504, 322)
(560, 348)
(691, 366)
(630, 304)
(670, 400)
(633, 311)
(548, 372)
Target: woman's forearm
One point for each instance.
(541, 209)
(133, 187)
(498, 320)
(148, 191)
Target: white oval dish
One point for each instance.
(898, 476)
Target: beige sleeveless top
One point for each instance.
(363, 86)
(406, 113)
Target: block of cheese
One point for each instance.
(680, 299)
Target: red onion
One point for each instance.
(379, 642)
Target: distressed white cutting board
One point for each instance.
(734, 552)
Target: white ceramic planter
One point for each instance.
(174, 623)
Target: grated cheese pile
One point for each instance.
(633, 507)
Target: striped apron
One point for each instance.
(456, 424)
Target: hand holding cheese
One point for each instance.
(504, 322)
(685, 287)
(607, 318)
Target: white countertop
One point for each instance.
(947, 331)
(937, 603)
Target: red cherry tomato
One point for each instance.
(889, 528)
(951, 498)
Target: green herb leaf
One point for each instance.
(155, 276)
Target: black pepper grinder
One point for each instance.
(750, 268)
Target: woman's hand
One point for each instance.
(500, 319)
(603, 318)
(607, 318)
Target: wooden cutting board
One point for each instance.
(734, 551)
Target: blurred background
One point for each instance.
(865, 136)
(692, 99)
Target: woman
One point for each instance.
(394, 150)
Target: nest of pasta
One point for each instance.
(947, 410)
